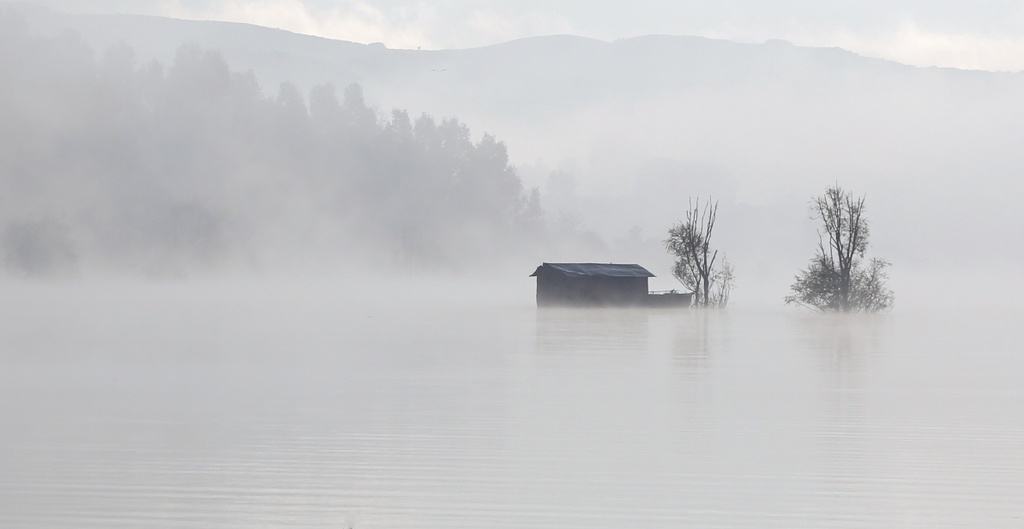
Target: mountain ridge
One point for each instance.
(639, 124)
(184, 23)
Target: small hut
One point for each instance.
(591, 284)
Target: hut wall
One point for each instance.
(559, 289)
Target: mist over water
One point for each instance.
(315, 405)
(238, 289)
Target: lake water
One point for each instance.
(173, 406)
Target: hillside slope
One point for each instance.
(618, 134)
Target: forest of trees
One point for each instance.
(168, 168)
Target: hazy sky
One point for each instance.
(986, 34)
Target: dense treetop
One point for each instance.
(177, 166)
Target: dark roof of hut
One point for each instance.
(596, 270)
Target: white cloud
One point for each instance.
(907, 43)
(488, 26)
(399, 25)
(357, 21)
(913, 45)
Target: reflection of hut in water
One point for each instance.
(570, 332)
(599, 284)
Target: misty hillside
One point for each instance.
(110, 164)
(517, 87)
(617, 134)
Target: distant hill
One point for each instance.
(617, 134)
(516, 87)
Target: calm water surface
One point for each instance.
(174, 407)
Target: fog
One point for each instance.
(256, 278)
(220, 404)
(171, 169)
(582, 150)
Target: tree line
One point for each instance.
(107, 160)
(839, 277)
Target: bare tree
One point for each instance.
(723, 281)
(835, 279)
(695, 266)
